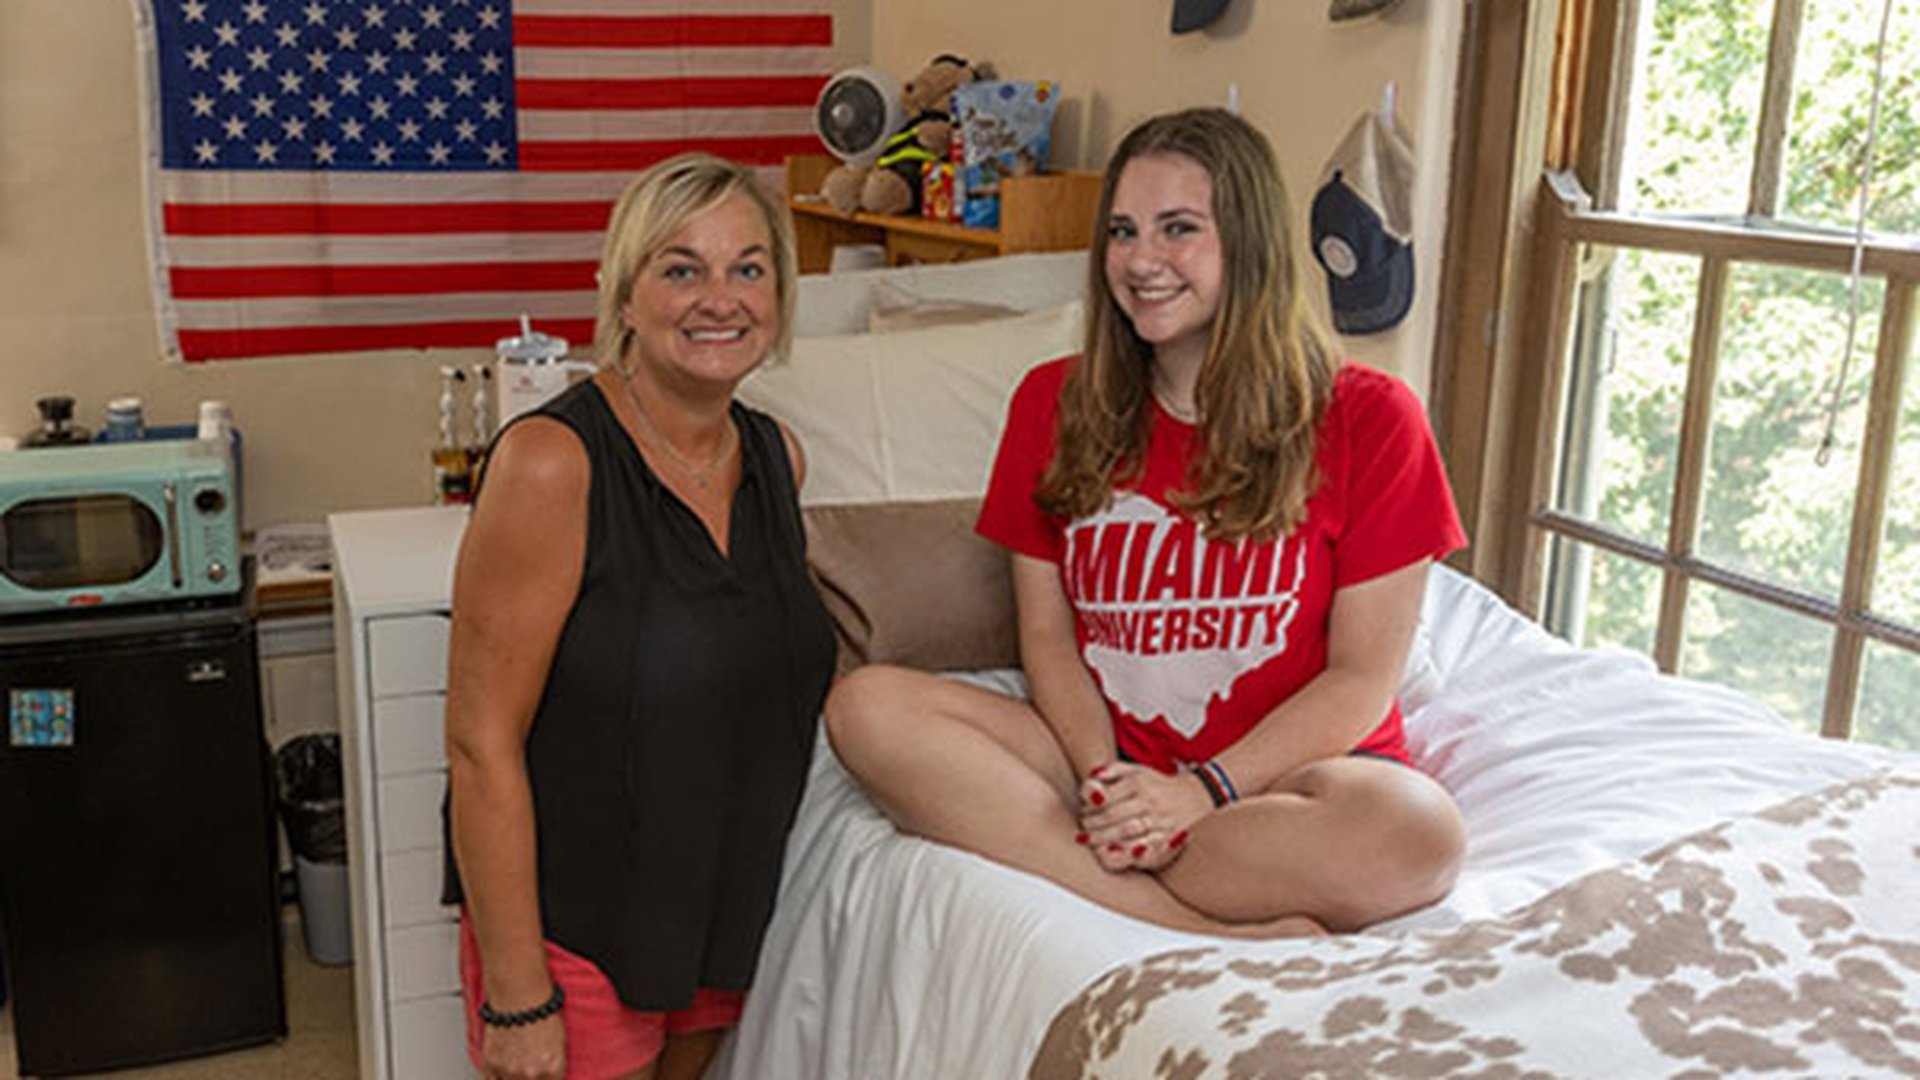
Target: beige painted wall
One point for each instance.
(76, 310)
(1302, 79)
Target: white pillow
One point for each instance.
(841, 303)
(896, 309)
(912, 415)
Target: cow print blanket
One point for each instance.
(1785, 943)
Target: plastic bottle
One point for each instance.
(126, 421)
(216, 420)
(452, 480)
(482, 424)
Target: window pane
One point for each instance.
(1896, 582)
(1770, 509)
(1698, 73)
(1827, 135)
(1599, 598)
(1889, 698)
(1627, 391)
(1758, 649)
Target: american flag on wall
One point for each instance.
(339, 176)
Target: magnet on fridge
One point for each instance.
(40, 718)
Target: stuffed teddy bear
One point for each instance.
(891, 185)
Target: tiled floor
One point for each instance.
(319, 1043)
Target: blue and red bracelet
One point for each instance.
(1218, 784)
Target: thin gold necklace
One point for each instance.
(701, 474)
(1185, 416)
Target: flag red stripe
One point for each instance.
(671, 31)
(418, 279)
(608, 156)
(199, 345)
(380, 219)
(691, 93)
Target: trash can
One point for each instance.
(314, 812)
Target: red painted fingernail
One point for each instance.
(1097, 798)
(1179, 838)
(1113, 847)
(1099, 772)
(1079, 838)
(1139, 850)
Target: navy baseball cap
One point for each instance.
(1191, 15)
(1342, 10)
(1362, 228)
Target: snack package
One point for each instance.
(936, 191)
(1006, 129)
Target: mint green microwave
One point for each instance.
(103, 524)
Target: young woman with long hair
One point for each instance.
(1220, 536)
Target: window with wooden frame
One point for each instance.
(1697, 435)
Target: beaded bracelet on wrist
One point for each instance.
(494, 1018)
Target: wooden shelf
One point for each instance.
(1048, 212)
(303, 597)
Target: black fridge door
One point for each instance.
(137, 883)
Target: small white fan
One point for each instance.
(856, 112)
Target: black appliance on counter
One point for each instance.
(138, 889)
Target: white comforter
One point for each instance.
(892, 957)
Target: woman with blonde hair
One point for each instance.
(1220, 537)
(637, 661)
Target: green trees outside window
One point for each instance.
(1701, 144)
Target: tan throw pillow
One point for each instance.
(894, 308)
(911, 583)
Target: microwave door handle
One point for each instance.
(172, 498)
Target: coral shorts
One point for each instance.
(605, 1038)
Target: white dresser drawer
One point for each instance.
(428, 1038)
(409, 734)
(410, 889)
(408, 654)
(423, 961)
(410, 811)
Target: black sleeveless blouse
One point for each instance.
(673, 738)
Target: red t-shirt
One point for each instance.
(1193, 642)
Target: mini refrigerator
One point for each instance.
(138, 892)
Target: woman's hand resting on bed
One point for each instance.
(1136, 818)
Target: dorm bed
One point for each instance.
(1662, 877)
